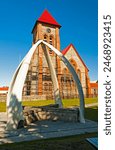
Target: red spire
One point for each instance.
(46, 17)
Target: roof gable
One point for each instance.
(64, 51)
(46, 17)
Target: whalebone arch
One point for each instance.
(14, 98)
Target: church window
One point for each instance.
(34, 77)
(45, 38)
(50, 86)
(64, 71)
(45, 87)
(51, 43)
(51, 39)
(46, 77)
(73, 63)
(79, 74)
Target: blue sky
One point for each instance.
(78, 19)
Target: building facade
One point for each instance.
(94, 88)
(3, 90)
(38, 81)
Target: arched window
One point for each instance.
(65, 71)
(73, 63)
(50, 86)
(51, 42)
(45, 38)
(64, 77)
(79, 74)
(45, 87)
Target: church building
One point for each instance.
(38, 82)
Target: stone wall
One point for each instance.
(50, 113)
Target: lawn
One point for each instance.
(91, 113)
(66, 103)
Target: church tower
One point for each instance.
(47, 29)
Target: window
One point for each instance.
(34, 77)
(45, 38)
(45, 87)
(65, 71)
(50, 42)
(94, 91)
(50, 86)
(73, 63)
(79, 74)
(46, 78)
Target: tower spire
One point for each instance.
(46, 17)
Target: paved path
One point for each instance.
(3, 119)
(3, 116)
(44, 129)
(90, 105)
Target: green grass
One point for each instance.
(66, 103)
(77, 142)
(91, 100)
(2, 106)
(91, 113)
(76, 102)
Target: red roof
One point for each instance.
(64, 51)
(46, 17)
(94, 85)
(3, 88)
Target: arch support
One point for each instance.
(53, 76)
(14, 97)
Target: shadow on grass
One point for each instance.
(91, 113)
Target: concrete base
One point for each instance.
(44, 130)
